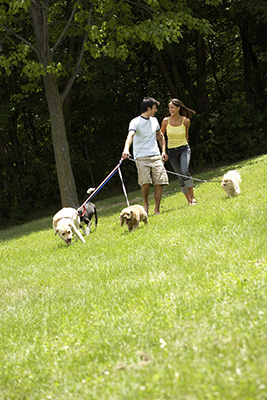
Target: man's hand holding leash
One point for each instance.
(125, 155)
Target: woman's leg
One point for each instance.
(180, 160)
(174, 158)
(184, 168)
(192, 197)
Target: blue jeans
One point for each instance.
(179, 158)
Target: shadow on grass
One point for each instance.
(115, 204)
(15, 232)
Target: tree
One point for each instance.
(39, 44)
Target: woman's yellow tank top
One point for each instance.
(176, 135)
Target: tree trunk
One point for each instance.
(247, 62)
(188, 82)
(166, 76)
(176, 77)
(202, 96)
(65, 176)
(213, 64)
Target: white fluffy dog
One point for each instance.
(230, 183)
(133, 215)
(66, 224)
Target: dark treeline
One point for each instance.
(216, 63)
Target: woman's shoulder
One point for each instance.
(186, 121)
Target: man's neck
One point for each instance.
(146, 114)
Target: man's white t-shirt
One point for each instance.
(144, 141)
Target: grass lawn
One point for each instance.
(176, 310)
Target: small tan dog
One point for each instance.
(230, 183)
(132, 216)
(66, 224)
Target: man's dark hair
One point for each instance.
(148, 102)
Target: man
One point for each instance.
(143, 133)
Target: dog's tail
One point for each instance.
(90, 190)
(235, 174)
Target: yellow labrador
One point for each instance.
(66, 224)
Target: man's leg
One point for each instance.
(145, 193)
(157, 195)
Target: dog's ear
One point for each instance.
(71, 225)
(56, 231)
(121, 219)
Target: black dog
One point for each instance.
(86, 215)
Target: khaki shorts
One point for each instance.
(151, 170)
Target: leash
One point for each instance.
(81, 209)
(170, 172)
(123, 187)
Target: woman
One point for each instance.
(176, 126)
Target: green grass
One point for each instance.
(173, 310)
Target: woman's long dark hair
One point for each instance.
(185, 111)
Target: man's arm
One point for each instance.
(127, 145)
(162, 142)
